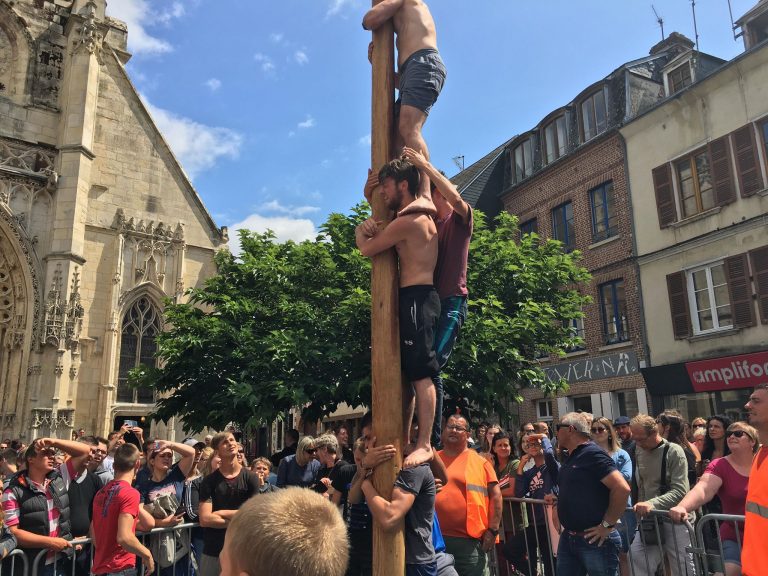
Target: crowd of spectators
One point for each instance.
(584, 497)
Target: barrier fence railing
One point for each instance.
(528, 547)
(171, 549)
(654, 545)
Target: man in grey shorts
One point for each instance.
(421, 76)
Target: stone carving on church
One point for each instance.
(152, 252)
(26, 160)
(91, 37)
(63, 319)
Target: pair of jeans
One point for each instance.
(577, 557)
(453, 312)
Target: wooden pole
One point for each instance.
(388, 547)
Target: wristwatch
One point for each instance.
(605, 524)
(494, 531)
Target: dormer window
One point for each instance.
(555, 139)
(679, 78)
(523, 156)
(594, 115)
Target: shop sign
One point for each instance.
(744, 371)
(597, 368)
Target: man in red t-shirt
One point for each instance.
(116, 514)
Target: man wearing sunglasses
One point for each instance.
(36, 503)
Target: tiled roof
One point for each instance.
(472, 180)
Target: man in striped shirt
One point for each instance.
(36, 503)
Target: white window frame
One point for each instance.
(542, 417)
(694, 311)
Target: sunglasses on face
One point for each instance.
(311, 450)
(241, 451)
(738, 434)
(561, 426)
(598, 430)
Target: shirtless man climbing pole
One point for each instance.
(421, 75)
(415, 238)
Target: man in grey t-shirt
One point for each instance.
(413, 498)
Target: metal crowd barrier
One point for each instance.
(708, 535)
(529, 543)
(9, 565)
(79, 563)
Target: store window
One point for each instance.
(626, 402)
(582, 403)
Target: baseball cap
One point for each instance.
(621, 421)
(194, 442)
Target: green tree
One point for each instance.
(288, 324)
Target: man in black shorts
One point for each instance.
(421, 74)
(414, 236)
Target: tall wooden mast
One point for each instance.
(388, 547)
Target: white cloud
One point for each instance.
(275, 206)
(336, 6)
(284, 227)
(300, 57)
(138, 15)
(267, 65)
(213, 83)
(308, 123)
(291, 134)
(365, 140)
(276, 37)
(197, 146)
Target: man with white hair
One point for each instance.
(592, 499)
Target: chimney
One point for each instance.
(675, 43)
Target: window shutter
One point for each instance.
(665, 200)
(740, 290)
(722, 179)
(759, 259)
(750, 178)
(678, 304)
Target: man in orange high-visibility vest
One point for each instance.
(754, 553)
(469, 506)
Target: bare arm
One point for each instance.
(355, 495)
(388, 514)
(444, 186)
(77, 450)
(438, 469)
(209, 518)
(703, 492)
(187, 454)
(27, 539)
(617, 501)
(128, 541)
(146, 520)
(372, 245)
(380, 13)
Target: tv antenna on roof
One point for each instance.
(659, 19)
(695, 26)
(459, 161)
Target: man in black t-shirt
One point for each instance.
(221, 495)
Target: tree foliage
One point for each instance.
(288, 324)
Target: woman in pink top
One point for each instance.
(726, 477)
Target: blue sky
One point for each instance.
(267, 102)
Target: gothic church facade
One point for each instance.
(98, 223)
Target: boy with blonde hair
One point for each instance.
(291, 532)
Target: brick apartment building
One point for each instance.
(566, 179)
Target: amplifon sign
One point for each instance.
(743, 371)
